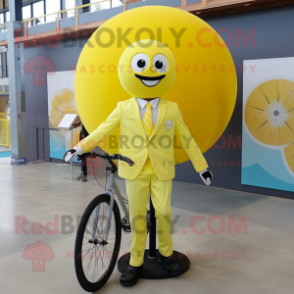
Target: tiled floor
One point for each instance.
(256, 260)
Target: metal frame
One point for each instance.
(4, 69)
(112, 190)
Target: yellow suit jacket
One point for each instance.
(135, 144)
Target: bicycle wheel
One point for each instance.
(95, 258)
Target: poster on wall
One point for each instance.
(61, 101)
(268, 124)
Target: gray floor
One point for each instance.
(4, 149)
(260, 261)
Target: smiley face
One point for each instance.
(147, 69)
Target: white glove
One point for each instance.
(206, 176)
(72, 153)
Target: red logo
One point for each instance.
(39, 253)
(39, 67)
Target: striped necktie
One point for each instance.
(147, 121)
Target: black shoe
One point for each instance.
(130, 276)
(169, 263)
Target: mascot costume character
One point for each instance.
(156, 57)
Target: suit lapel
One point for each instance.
(161, 113)
(137, 116)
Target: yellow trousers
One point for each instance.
(160, 191)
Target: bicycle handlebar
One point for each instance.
(108, 157)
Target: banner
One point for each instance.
(268, 124)
(61, 100)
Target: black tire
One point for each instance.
(96, 205)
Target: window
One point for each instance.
(4, 14)
(99, 6)
(67, 5)
(35, 9)
(38, 10)
(7, 16)
(116, 3)
(51, 7)
(26, 12)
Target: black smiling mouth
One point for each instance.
(150, 81)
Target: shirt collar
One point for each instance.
(142, 102)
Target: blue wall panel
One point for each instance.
(3, 36)
(67, 22)
(51, 26)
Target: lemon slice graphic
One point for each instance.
(289, 155)
(269, 112)
(64, 102)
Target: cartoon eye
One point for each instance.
(42, 252)
(35, 67)
(160, 63)
(44, 66)
(140, 62)
(35, 253)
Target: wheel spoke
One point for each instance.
(89, 263)
(87, 252)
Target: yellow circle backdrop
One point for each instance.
(205, 86)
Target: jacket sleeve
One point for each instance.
(104, 129)
(188, 143)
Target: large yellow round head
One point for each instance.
(147, 69)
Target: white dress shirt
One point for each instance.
(154, 110)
